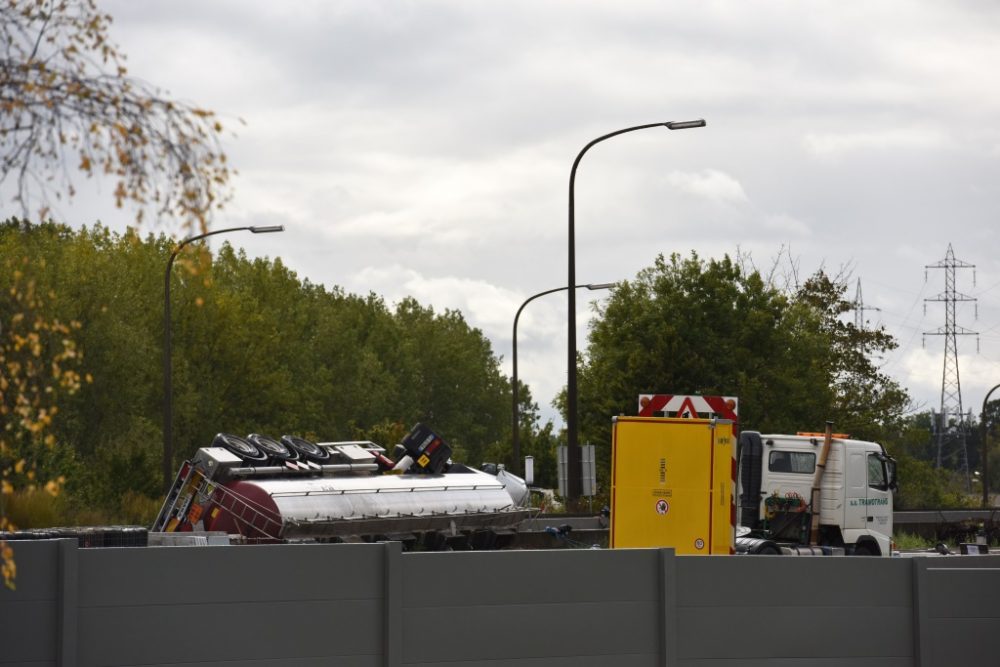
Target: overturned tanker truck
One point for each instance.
(262, 489)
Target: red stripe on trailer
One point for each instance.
(722, 407)
(654, 404)
(711, 467)
(694, 405)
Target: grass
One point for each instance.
(39, 509)
(910, 542)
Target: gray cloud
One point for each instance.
(428, 144)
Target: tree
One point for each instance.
(537, 440)
(992, 421)
(866, 402)
(38, 361)
(67, 102)
(455, 381)
(256, 349)
(921, 484)
(691, 326)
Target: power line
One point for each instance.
(897, 355)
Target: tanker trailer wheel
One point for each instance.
(275, 450)
(309, 451)
(247, 451)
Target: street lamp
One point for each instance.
(168, 451)
(986, 452)
(517, 430)
(574, 481)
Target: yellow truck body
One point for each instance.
(673, 484)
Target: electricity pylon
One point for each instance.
(951, 386)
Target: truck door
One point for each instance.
(878, 507)
(856, 512)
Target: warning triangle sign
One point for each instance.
(686, 410)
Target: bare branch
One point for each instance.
(66, 105)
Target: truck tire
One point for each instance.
(307, 450)
(768, 549)
(866, 548)
(247, 451)
(277, 451)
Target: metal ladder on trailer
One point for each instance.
(192, 487)
(247, 513)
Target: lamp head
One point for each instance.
(594, 286)
(684, 124)
(267, 229)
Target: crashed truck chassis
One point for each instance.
(349, 491)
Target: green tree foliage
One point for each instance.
(992, 421)
(921, 484)
(448, 381)
(255, 349)
(67, 105)
(690, 326)
(536, 439)
(38, 365)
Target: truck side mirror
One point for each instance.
(890, 473)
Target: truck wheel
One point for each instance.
(866, 549)
(768, 549)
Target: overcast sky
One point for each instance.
(424, 149)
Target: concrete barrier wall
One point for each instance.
(505, 608)
(795, 611)
(367, 605)
(958, 610)
(31, 615)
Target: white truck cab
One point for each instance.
(777, 475)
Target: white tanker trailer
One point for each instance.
(261, 489)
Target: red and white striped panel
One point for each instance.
(679, 405)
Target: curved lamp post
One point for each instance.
(986, 452)
(574, 481)
(516, 434)
(168, 451)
